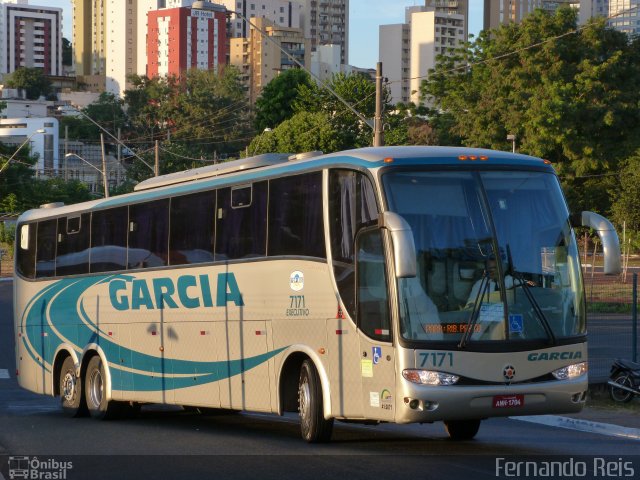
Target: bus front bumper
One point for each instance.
(420, 403)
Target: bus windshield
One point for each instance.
(496, 258)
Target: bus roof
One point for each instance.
(265, 166)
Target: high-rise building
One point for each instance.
(326, 22)
(104, 41)
(30, 36)
(623, 15)
(284, 13)
(89, 43)
(504, 12)
(409, 50)
(260, 59)
(452, 7)
(187, 37)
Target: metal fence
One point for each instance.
(612, 320)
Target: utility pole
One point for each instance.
(119, 147)
(378, 128)
(66, 150)
(157, 165)
(104, 168)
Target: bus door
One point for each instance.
(377, 357)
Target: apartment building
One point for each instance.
(326, 22)
(260, 59)
(409, 50)
(31, 36)
(187, 37)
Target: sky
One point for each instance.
(365, 16)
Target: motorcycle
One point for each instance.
(624, 380)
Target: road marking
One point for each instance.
(4, 373)
(582, 425)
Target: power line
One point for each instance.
(515, 52)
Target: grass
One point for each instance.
(599, 399)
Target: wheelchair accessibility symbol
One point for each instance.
(515, 323)
(377, 353)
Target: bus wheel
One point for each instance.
(94, 383)
(71, 393)
(462, 429)
(313, 426)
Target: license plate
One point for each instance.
(508, 401)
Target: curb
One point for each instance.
(583, 426)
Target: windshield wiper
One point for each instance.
(534, 303)
(475, 313)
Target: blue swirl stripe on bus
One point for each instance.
(57, 315)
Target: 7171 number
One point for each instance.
(436, 359)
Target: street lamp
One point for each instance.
(102, 172)
(511, 137)
(40, 130)
(61, 109)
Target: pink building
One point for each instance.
(179, 39)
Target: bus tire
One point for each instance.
(462, 429)
(619, 395)
(313, 426)
(71, 391)
(94, 383)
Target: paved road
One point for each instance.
(179, 444)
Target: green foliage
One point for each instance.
(7, 233)
(55, 190)
(16, 178)
(31, 80)
(356, 89)
(107, 111)
(572, 99)
(275, 103)
(303, 132)
(207, 112)
(626, 197)
(67, 52)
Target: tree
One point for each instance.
(275, 103)
(572, 98)
(304, 132)
(107, 111)
(31, 80)
(356, 89)
(206, 112)
(626, 203)
(67, 52)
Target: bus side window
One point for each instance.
(73, 245)
(46, 249)
(27, 250)
(148, 234)
(192, 227)
(352, 205)
(373, 301)
(241, 222)
(109, 240)
(295, 216)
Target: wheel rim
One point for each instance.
(95, 388)
(69, 387)
(305, 399)
(618, 393)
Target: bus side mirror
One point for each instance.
(404, 249)
(608, 237)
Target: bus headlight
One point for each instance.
(570, 371)
(429, 377)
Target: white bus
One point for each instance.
(399, 284)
